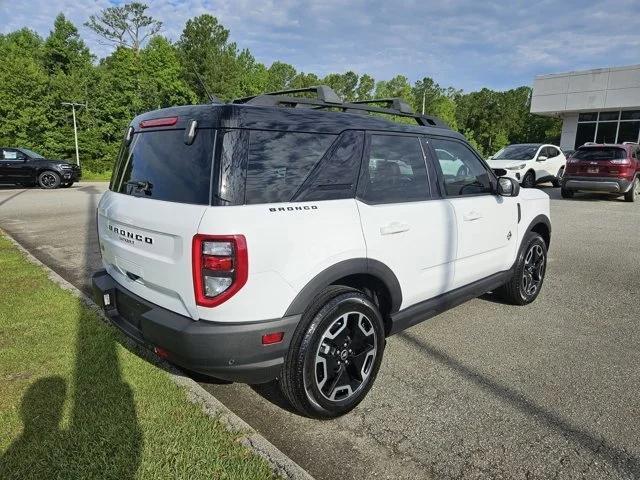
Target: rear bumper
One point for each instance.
(228, 351)
(596, 184)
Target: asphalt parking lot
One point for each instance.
(551, 390)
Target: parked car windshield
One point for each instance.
(31, 153)
(599, 153)
(517, 152)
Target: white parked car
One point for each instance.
(530, 163)
(251, 242)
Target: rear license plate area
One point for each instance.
(593, 170)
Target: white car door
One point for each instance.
(404, 226)
(486, 222)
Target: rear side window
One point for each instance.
(336, 176)
(600, 153)
(159, 165)
(395, 171)
(279, 163)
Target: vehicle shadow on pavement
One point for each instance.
(102, 437)
(619, 458)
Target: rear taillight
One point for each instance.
(621, 161)
(220, 267)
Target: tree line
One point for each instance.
(147, 71)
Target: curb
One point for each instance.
(248, 436)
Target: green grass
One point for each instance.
(89, 176)
(75, 403)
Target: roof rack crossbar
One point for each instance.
(327, 98)
(394, 103)
(323, 93)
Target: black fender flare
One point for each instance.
(353, 266)
(537, 220)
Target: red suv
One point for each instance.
(604, 168)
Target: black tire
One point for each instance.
(67, 185)
(634, 192)
(566, 193)
(358, 344)
(556, 181)
(526, 282)
(529, 180)
(48, 180)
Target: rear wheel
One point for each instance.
(529, 180)
(566, 193)
(556, 181)
(334, 355)
(634, 192)
(526, 282)
(49, 179)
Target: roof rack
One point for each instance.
(326, 97)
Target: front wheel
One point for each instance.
(49, 180)
(529, 180)
(528, 277)
(634, 192)
(334, 355)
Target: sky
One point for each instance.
(466, 44)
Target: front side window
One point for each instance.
(279, 163)
(395, 171)
(468, 176)
(11, 155)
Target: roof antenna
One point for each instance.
(212, 98)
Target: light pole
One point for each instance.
(75, 128)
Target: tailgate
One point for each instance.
(146, 248)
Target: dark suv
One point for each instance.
(609, 168)
(20, 166)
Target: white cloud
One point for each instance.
(463, 43)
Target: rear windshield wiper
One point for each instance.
(141, 186)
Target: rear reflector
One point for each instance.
(271, 338)
(159, 122)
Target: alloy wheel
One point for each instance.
(48, 180)
(345, 356)
(533, 272)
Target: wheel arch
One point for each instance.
(542, 226)
(361, 273)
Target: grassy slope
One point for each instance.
(74, 403)
(89, 176)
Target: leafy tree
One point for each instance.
(125, 26)
(279, 76)
(365, 87)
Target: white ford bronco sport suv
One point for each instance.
(251, 242)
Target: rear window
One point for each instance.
(159, 165)
(599, 153)
(279, 162)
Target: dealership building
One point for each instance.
(601, 105)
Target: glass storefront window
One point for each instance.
(628, 132)
(606, 132)
(585, 133)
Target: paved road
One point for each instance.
(551, 390)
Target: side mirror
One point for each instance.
(508, 187)
(542, 158)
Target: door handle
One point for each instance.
(394, 227)
(471, 216)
